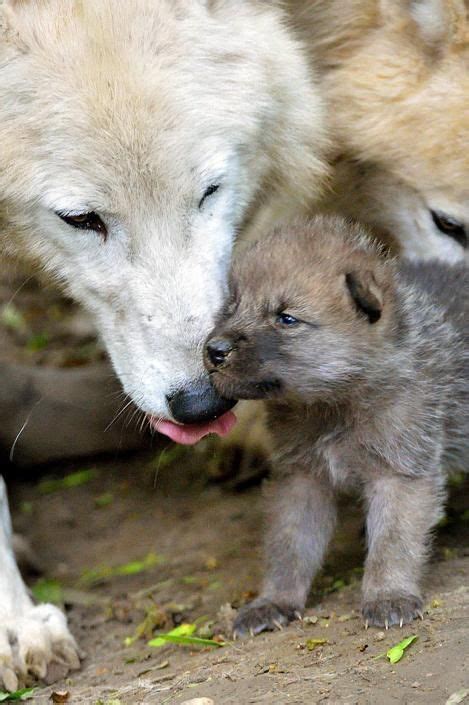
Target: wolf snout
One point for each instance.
(198, 402)
(218, 350)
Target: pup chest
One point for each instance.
(340, 459)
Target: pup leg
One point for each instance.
(301, 516)
(401, 513)
(31, 637)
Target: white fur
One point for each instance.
(132, 109)
(174, 99)
(30, 636)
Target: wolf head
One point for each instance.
(137, 139)
(399, 92)
(309, 313)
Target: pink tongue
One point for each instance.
(188, 435)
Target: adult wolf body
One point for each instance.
(137, 139)
(395, 74)
(364, 364)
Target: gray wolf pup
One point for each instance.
(364, 365)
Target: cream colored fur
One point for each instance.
(132, 109)
(396, 77)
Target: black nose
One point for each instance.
(198, 402)
(218, 350)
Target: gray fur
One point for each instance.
(379, 402)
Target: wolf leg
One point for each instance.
(31, 636)
(301, 517)
(401, 513)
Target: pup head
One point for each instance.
(399, 99)
(138, 137)
(308, 312)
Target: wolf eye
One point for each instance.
(213, 188)
(85, 221)
(451, 227)
(284, 319)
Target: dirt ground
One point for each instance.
(146, 542)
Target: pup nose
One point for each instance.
(198, 402)
(218, 350)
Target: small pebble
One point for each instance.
(379, 636)
(415, 684)
(199, 701)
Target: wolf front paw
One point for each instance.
(34, 642)
(391, 610)
(261, 615)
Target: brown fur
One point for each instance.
(395, 76)
(368, 388)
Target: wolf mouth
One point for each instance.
(189, 434)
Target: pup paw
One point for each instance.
(262, 615)
(33, 643)
(391, 610)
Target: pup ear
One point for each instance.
(436, 21)
(366, 294)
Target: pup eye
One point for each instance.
(213, 188)
(451, 227)
(284, 319)
(85, 221)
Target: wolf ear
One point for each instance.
(366, 294)
(436, 21)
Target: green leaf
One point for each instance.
(12, 318)
(183, 635)
(24, 694)
(104, 500)
(37, 342)
(75, 479)
(312, 644)
(458, 697)
(184, 640)
(100, 574)
(48, 591)
(396, 652)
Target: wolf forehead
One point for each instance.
(303, 263)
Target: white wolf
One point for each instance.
(137, 139)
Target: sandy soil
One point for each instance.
(206, 541)
(200, 541)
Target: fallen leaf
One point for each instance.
(12, 318)
(395, 653)
(46, 590)
(457, 697)
(60, 696)
(310, 620)
(104, 500)
(74, 479)
(103, 573)
(312, 644)
(24, 694)
(183, 635)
